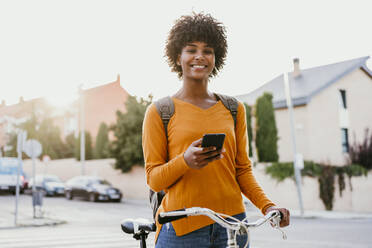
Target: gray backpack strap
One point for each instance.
(231, 103)
(165, 107)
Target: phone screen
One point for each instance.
(213, 139)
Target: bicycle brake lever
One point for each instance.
(283, 233)
(276, 224)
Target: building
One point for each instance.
(332, 109)
(100, 105)
(15, 114)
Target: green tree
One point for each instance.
(102, 142)
(266, 134)
(70, 145)
(49, 136)
(248, 112)
(45, 132)
(88, 147)
(127, 147)
(13, 143)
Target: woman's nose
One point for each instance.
(198, 56)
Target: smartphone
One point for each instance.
(213, 139)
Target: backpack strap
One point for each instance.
(231, 103)
(165, 107)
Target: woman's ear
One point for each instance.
(178, 60)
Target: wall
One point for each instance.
(133, 184)
(285, 144)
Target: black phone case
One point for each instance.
(214, 139)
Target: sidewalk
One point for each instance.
(25, 215)
(253, 212)
(27, 220)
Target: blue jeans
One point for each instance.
(212, 236)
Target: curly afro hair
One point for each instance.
(197, 27)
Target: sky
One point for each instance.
(50, 48)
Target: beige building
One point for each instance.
(332, 109)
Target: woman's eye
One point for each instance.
(208, 51)
(191, 50)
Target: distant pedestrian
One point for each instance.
(191, 175)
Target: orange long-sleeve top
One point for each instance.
(218, 185)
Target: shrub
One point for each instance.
(88, 147)
(362, 153)
(266, 134)
(248, 112)
(101, 149)
(127, 147)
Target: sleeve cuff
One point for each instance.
(263, 210)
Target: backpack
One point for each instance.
(165, 107)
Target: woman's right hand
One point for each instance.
(197, 157)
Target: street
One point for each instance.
(91, 225)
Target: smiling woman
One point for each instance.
(190, 174)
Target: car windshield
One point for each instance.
(100, 181)
(52, 179)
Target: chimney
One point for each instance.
(118, 78)
(21, 100)
(3, 104)
(296, 67)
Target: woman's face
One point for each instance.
(196, 60)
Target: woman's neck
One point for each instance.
(194, 90)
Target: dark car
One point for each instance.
(50, 185)
(92, 188)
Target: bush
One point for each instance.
(248, 112)
(101, 149)
(362, 153)
(266, 134)
(88, 147)
(127, 147)
(326, 186)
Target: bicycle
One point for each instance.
(142, 227)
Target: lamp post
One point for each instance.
(82, 130)
(296, 162)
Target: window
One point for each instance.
(343, 99)
(345, 140)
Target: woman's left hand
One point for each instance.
(285, 212)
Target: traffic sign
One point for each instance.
(33, 148)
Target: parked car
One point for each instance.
(92, 188)
(50, 185)
(8, 175)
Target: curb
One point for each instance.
(34, 223)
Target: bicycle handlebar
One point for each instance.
(233, 227)
(172, 216)
(165, 217)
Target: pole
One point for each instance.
(19, 153)
(33, 180)
(82, 131)
(293, 132)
